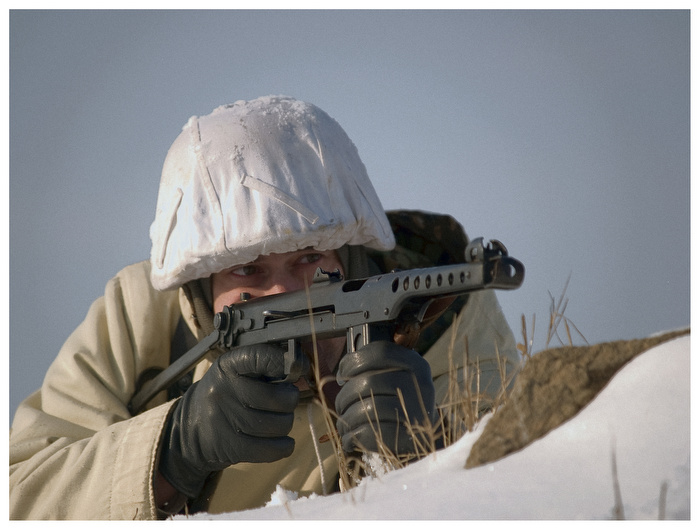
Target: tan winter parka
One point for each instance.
(77, 453)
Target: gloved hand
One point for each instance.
(233, 414)
(372, 376)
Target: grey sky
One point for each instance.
(564, 134)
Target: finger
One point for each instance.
(255, 361)
(263, 424)
(392, 437)
(380, 355)
(382, 383)
(266, 396)
(379, 412)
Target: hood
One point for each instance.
(271, 175)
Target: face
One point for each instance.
(270, 274)
(275, 274)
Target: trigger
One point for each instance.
(296, 363)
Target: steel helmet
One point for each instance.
(271, 175)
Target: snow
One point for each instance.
(642, 414)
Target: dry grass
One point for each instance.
(556, 317)
(460, 411)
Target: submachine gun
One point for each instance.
(363, 310)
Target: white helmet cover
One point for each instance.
(271, 175)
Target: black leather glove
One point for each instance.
(373, 375)
(233, 414)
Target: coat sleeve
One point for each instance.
(479, 348)
(75, 450)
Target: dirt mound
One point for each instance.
(553, 386)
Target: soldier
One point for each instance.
(253, 198)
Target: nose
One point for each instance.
(281, 283)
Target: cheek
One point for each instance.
(222, 293)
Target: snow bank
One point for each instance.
(642, 415)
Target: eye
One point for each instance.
(311, 258)
(245, 270)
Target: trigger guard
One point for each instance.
(296, 363)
